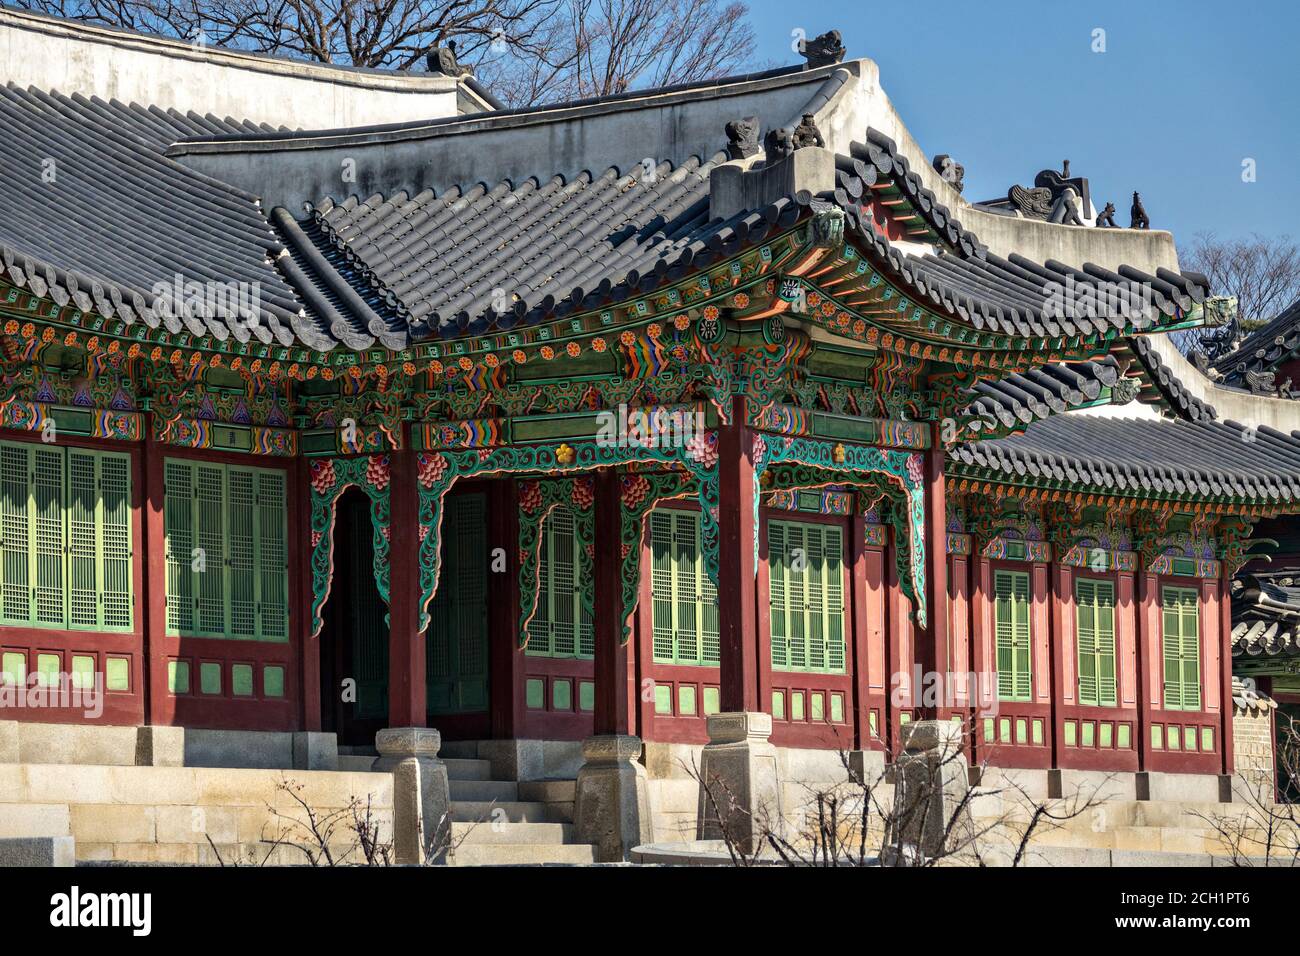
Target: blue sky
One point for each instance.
(1185, 91)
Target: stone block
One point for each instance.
(8, 741)
(196, 824)
(257, 749)
(421, 793)
(34, 820)
(52, 783)
(933, 777)
(76, 744)
(158, 746)
(100, 823)
(867, 767)
(1186, 787)
(740, 794)
(612, 802)
(1090, 784)
(170, 785)
(315, 751)
(38, 851)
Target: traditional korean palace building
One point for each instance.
(599, 419)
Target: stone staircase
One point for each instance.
(499, 822)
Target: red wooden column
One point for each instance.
(860, 650)
(737, 611)
(1149, 663)
(159, 706)
(309, 692)
(1060, 589)
(612, 714)
(505, 659)
(1225, 665)
(932, 640)
(406, 649)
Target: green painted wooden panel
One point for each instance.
(227, 557)
(712, 701)
(562, 625)
(686, 700)
(1095, 619)
(457, 639)
(1181, 644)
(806, 587)
(586, 695)
(273, 680)
(1011, 620)
(82, 671)
(115, 579)
(535, 693)
(65, 538)
(82, 549)
(178, 534)
(684, 600)
(15, 534)
(272, 559)
(48, 535)
(241, 680)
(178, 677)
(210, 677)
(562, 694)
(117, 674)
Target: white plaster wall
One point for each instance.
(72, 57)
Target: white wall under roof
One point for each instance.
(72, 57)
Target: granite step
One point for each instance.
(519, 854)
(482, 790)
(553, 834)
(515, 811)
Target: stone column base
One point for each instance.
(933, 777)
(421, 794)
(612, 801)
(740, 796)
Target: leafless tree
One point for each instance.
(1262, 272)
(602, 47)
(865, 821)
(529, 51)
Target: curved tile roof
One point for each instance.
(1264, 348)
(111, 217)
(1208, 460)
(399, 268)
(506, 253)
(1018, 400)
(1170, 386)
(1266, 615)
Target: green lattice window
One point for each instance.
(65, 537)
(1182, 648)
(685, 602)
(1095, 619)
(562, 626)
(805, 573)
(227, 560)
(1011, 626)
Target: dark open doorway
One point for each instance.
(354, 638)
